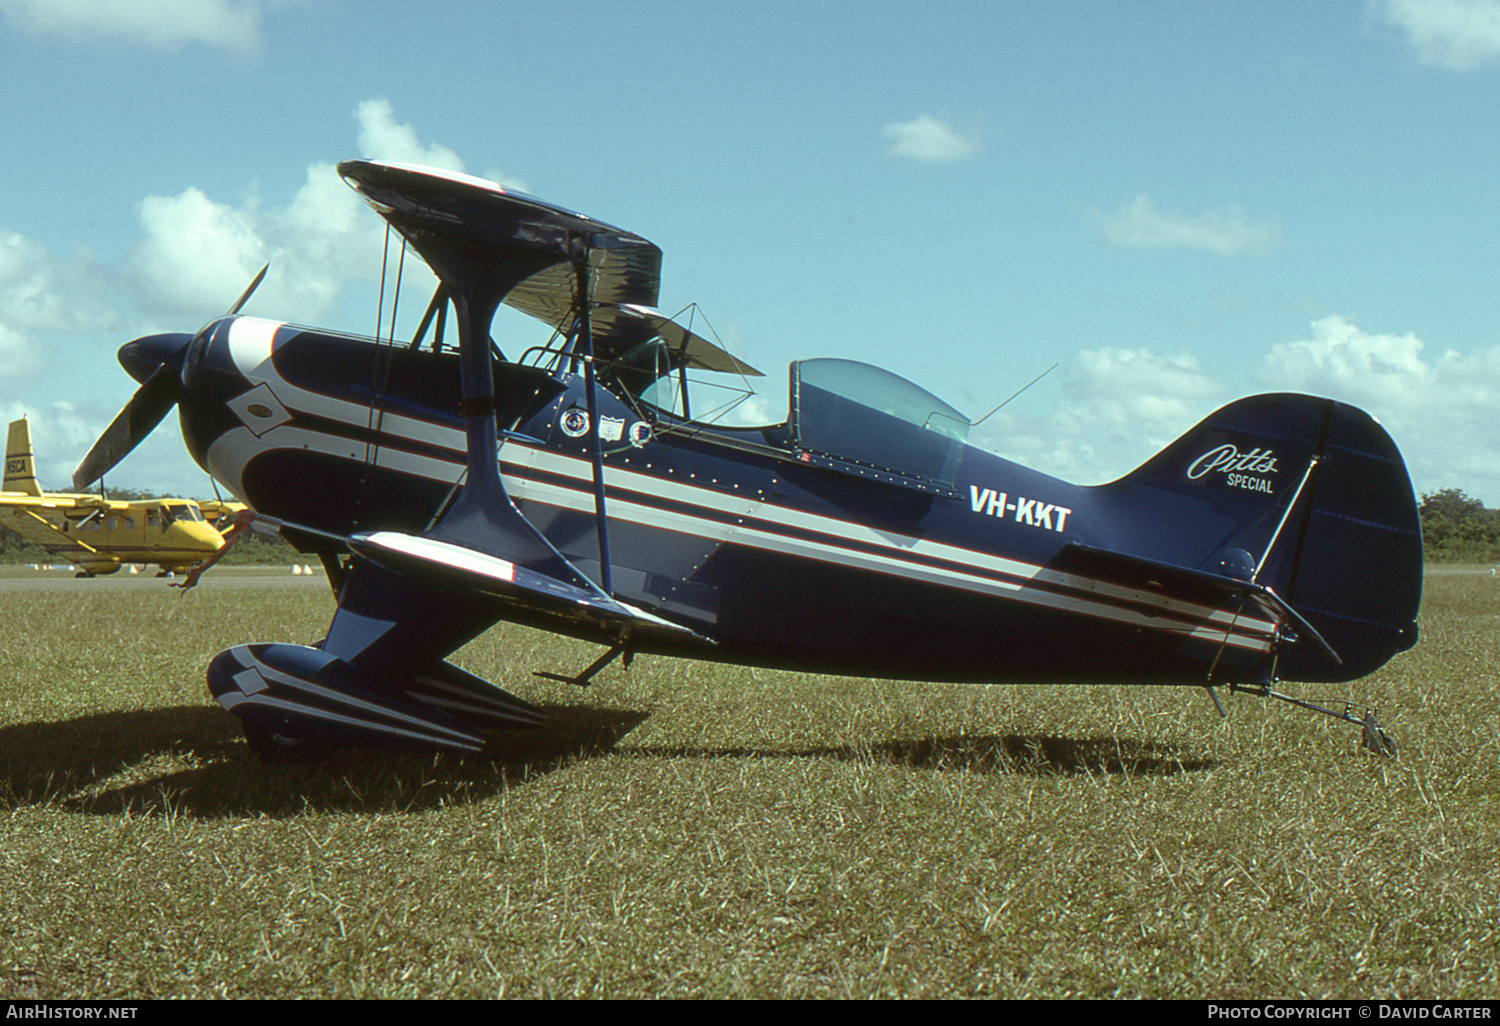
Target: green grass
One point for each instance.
(691, 830)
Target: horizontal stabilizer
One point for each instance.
(1187, 586)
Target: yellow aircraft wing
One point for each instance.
(218, 512)
(28, 516)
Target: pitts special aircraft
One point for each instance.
(572, 489)
(96, 534)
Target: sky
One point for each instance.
(1177, 203)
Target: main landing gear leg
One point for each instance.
(582, 679)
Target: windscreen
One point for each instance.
(862, 413)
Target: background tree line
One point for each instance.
(1459, 529)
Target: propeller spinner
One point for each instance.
(156, 362)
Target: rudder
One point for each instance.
(1311, 493)
(20, 463)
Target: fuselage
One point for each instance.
(781, 559)
(100, 536)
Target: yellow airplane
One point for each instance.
(96, 534)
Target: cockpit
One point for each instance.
(596, 287)
(852, 411)
(172, 512)
(841, 414)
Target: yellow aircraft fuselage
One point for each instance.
(96, 534)
(100, 535)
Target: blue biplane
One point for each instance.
(447, 487)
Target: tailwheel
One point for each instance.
(1373, 737)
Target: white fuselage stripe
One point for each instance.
(850, 543)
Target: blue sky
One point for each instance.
(1176, 202)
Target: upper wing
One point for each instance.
(476, 233)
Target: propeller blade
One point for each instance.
(151, 402)
(160, 388)
(249, 291)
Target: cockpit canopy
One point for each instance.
(856, 412)
(841, 414)
(172, 512)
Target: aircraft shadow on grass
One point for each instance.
(74, 762)
(1021, 754)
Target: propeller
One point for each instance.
(156, 362)
(249, 291)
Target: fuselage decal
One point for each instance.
(1032, 512)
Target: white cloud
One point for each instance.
(194, 256)
(41, 297)
(325, 238)
(18, 358)
(1116, 408)
(232, 25)
(1381, 370)
(29, 289)
(197, 254)
(1226, 232)
(1440, 410)
(928, 140)
(23, 279)
(1457, 34)
(381, 138)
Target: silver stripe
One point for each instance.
(1214, 624)
(351, 702)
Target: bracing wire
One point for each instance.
(377, 386)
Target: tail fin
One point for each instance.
(1307, 496)
(20, 464)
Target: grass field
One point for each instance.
(691, 830)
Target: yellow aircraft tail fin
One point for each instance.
(20, 464)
